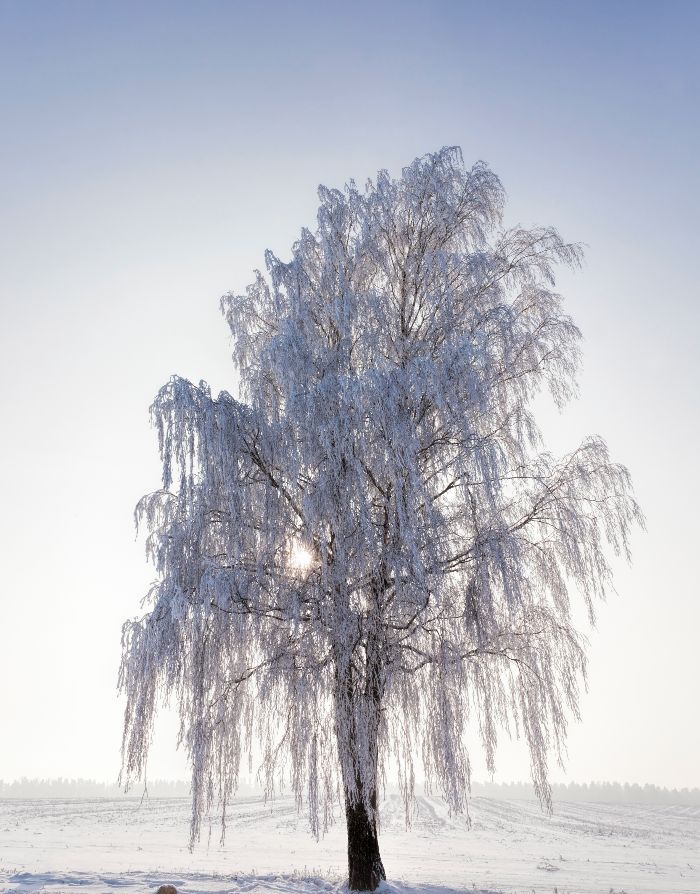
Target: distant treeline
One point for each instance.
(614, 792)
(89, 788)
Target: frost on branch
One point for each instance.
(383, 429)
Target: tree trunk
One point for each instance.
(365, 868)
(358, 707)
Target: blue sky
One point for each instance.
(150, 152)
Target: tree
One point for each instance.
(367, 549)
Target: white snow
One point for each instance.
(99, 846)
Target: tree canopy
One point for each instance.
(366, 555)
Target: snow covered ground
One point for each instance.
(102, 846)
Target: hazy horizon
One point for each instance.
(250, 786)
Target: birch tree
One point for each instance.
(366, 556)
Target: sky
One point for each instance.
(151, 152)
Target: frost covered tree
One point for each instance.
(367, 553)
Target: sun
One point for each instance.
(300, 558)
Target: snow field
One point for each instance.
(100, 846)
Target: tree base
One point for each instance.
(365, 867)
